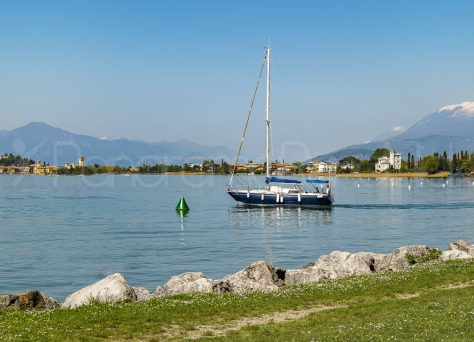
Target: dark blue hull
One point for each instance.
(274, 199)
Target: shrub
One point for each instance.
(433, 254)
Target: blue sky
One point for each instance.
(343, 71)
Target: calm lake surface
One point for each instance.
(59, 234)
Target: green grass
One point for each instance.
(375, 311)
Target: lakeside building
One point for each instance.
(12, 170)
(195, 167)
(282, 169)
(80, 163)
(24, 170)
(44, 170)
(383, 164)
(252, 165)
(318, 166)
(348, 166)
(211, 168)
(393, 161)
(249, 167)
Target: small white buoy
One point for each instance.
(409, 186)
(447, 182)
(421, 183)
(358, 185)
(444, 185)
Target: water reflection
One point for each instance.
(271, 217)
(182, 213)
(182, 231)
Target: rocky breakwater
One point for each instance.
(259, 276)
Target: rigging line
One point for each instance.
(242, 179)
(248, 119)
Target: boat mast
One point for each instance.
(267, 121)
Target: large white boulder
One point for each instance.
(454, 255)
(461, 245)
(335, 265)
(111, 289)
(188, 282)
(399, 259)
(259, 276)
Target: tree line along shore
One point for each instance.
(379, 165)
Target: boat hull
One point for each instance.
(302, 199)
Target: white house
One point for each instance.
(321, 167)
(253, 165)
(383, 164)
(348, 166)
(394, 161)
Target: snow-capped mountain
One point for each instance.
(454, 120)
(450, 129)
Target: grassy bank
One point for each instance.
(432, 301)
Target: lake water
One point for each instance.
(59, 234)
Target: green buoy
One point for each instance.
(182, 205)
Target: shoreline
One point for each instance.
(443, 174)
(261, 276)
(263, 302)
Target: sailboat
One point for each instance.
(277, 191)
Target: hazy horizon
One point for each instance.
(342, 72)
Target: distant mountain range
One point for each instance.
(40, 141)
(450, 129)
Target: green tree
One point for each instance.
(430, 164)
(87, 170)
(380, 152)
(366, 166)
(209, 166)
(454, 163)
(299, 167)
(346, 163)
